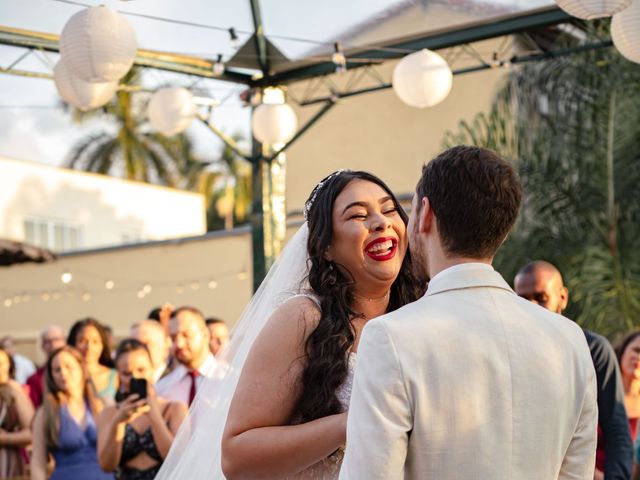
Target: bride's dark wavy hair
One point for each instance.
(327, 347)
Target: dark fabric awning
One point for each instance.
(12, 252)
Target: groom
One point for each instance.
(470, 381)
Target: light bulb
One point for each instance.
(218, 66)
(66, 276)
(109, 284)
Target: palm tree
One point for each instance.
(137, 153)
(133, 151)
(572, 127)
(226, 185)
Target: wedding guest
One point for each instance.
(51, 339)
(90, 338)
(190, 339)
(628, 354)
(153, 336)
(64, 425)
(218, 334)
(134, 436)
(24, 367)
(541, 283)
(16, 414)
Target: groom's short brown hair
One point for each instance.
(475, 195)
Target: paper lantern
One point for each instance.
(171, 110)
(82, 95)
(274, 123)
(98, 45)
(625, 32)
(590, 9)
(422, 79)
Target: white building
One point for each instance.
(66, 210)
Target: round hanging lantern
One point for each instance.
(274, 123)
(98, 45)
(625, 32)
(422, 79)
(171, 110)
(82, 95)
(590, 9)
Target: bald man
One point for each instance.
(51, 338)
(540, 282)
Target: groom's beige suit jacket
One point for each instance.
(472, 382)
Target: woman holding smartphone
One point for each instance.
(134, 436)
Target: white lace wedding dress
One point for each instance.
(329, 468)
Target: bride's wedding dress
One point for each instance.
(195, 452)
(329, 468)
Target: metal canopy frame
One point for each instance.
(260, 74)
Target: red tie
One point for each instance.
(192, 390)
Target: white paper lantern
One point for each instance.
(625, 32)
(422, 79)
(590, 9)
(171, 110)
(98, 45)
(82, 95)
(274, 123)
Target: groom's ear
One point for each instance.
(425, 218)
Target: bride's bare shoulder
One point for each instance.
(296, 317)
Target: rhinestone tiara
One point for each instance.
(316, 190)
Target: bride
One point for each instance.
(279, 407)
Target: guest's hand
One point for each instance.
(130, 408)
(598, 475)
(154, 406)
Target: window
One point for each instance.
(53, 234)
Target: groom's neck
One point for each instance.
(442, 262)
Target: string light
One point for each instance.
(66, 277)
(7, 302)
(142, 290)
(218, 66)
(338, 58)
(233, 36)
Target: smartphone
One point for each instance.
(138, 386)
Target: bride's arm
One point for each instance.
(258, 441)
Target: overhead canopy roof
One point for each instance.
(283, 40)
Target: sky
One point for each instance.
(35, 127)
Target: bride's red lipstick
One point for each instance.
(382, 254)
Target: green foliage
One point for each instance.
(572, 127)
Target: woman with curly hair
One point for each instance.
(288, 414)
(90, 338)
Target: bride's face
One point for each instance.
(369, 236)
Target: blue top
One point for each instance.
(76, 457)
(110, 390)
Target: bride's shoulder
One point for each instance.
(299, 310)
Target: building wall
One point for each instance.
(179, 272)
(106, 211)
